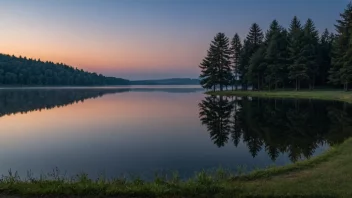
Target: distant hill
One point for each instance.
(170, 81)
(21, 71)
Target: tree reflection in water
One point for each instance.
(292, 126)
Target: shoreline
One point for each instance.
(256, 183)
(102, 87)
(336, 95)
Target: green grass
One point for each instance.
(321, 94)
(327, 175)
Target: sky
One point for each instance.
(142, 39)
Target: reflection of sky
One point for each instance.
(126, 132)
(141, 39)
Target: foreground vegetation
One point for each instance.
(329, 174)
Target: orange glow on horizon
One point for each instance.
(101, 53)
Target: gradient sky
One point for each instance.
(142, 39)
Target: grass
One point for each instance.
(320, 94)
(202, 185)
(327, 175)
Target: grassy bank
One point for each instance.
(327, 175)
(321, 95)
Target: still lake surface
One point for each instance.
(140, 130)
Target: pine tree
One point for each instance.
(257, 67)
(346, 70)
(297, 68)
(310, 51)
(244, 64)
(207, 79)
(340, 47)
(274, 29)
(216, 70)
(324, 56)
(332, 38)
(276, 55)
(284, 56)
(236, 47)
(255, 40)
(255, 37)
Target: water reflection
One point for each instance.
(147, 129)
(215, 113)
(14, 101)
(295, 127)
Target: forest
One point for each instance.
(298, 57)
(31, 72)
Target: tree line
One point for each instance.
(26, 71)
(297, 57)
(278, 126)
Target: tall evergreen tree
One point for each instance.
(255, 40)
(274, 29)
(255, 37)
(276, 55)
(244, 64)
(207, 79)
(216, 70)
(284, 56)
(257, 67)
(310, 51)
(297, 68)
(236, 48)
(341, 48)
(324, 56)
(346, 70)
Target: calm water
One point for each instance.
(141, 130)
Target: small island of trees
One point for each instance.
(297, 57)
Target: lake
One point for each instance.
(140, 130)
